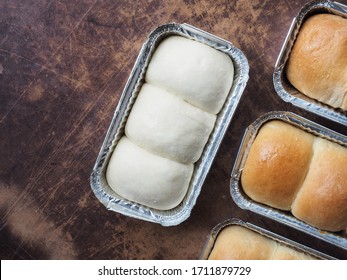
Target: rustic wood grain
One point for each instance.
(63, 65)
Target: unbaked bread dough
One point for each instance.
(145, 178)
(166, 125)
(186, 85)
(199, 74)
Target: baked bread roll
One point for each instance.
(239, 243)
(277, 164)
(317, 65)
(166, 125)
(322, 198)
(145, 178)
(285, 253)
(199, 74)
(290, 169)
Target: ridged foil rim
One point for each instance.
(282, 86)
(245, 202)
(98, 182)
(211, 240)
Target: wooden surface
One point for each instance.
(63, 65)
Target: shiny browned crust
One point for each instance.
(322, 199)
(317, 65)
(277, 164)
(239, 243)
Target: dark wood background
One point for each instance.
(63, 65)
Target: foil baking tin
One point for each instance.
(180, 213)
(243, 201)
(282, 86)
(211, 240)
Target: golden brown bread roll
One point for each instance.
(322, 199)
(239, 243)
(290, 169)
(317, 64)
(285, 253)
(277, 164)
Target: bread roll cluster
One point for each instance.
(290, 169)
(186, 85)
(317, 65)
(239, 243)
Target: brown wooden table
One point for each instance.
(63, 65)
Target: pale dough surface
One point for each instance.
(145, 178)
(166, 125)
(194, 71)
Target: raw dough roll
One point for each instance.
(186, 84)
(166, 125)
(145, 178)
(199, 74)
